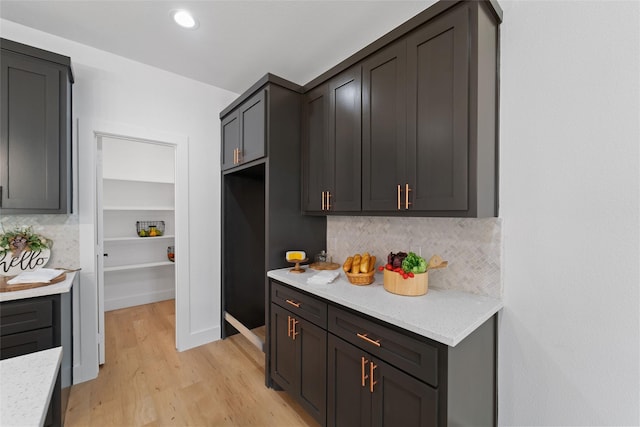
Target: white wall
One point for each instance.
(569, 176)
(111, 89)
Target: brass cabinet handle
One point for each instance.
(372, 382)
(323, 208)
(239, 155)
(293, 303)
(235, 162)
(364, 371)
(294, 322)
(288, 326)
(399, 197)
(328, 202)
(369, 340)
(406, 196)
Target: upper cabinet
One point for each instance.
(243, 132)
(35, 137)
(429, 121)
(332, 145)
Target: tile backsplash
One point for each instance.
(62, 229)
(472, 246)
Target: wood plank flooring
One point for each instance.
(146, 382)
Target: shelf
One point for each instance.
(137, 266)
(138, 208)
(138, 239)
(143, 181)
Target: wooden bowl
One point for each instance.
(361, 279)
(412, 286)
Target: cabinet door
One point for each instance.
(401, 400)
(315, 127)
(252, 128)
(348, 395)
(345, 144)
(438, 112)
(283, 349)
(383, 128)
(311, 345)
(30, 143)
(230, 140)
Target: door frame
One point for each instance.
(92, 331)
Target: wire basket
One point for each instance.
(150, 228)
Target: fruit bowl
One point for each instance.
(361, 279)
(412, 286)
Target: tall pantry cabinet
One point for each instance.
(261, 218)
(137, 193)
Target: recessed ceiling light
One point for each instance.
(184, 19)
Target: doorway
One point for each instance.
(136, 229)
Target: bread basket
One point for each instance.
(361, 279)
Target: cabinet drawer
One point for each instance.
(25, 342)
(21, 316)
(305, 306)
(415, 357)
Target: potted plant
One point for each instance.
(23, 250)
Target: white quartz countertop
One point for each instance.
(445, 316)
(26, 386)
(56, 288)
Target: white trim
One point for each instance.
(87, 367)
(147, 298)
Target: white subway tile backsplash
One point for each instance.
(472, 246)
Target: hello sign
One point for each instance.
(26, 261)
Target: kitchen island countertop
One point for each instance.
(26, 387)
(446, 316)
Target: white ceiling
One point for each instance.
(237, 42)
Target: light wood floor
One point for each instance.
(146, 382)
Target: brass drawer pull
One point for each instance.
(328, 204)
(288, 326)
(372, 367)
(369, 340)
(364, 371)
(293, 303)
(406, 196)
(323, 205)
(399, 191)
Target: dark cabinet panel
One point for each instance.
(348, 396)
(244, 132)
(26, 315)
(230, 140)
(365, 391)
(25, 342)
(300, 304)
(399, 399)
(438, 111)
(384, 154)
(298, 360)
(315, 128)
(283, 350)
(252, 128)
(35, 134)
(344, 142)
(332, 145)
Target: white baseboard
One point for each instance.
(133, 300)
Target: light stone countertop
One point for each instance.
(56, 288)
(26, 387)
(446, 316)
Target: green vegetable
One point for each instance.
(414, 263)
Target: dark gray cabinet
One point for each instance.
(261, 217)
(36, 324)
(365, 391)
(298, 360)
(373, 373)
(243, 132)
(429, 122)
(35, 135)
(332, 145)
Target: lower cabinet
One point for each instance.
(35, 324)
(299, 361)
(348, 369)
(365, 391)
